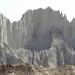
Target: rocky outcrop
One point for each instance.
(42, 36)
(34, 30)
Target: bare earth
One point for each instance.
(27, 69)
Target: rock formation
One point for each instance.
(42, 36)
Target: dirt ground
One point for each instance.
(27, 69)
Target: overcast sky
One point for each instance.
(13, 9)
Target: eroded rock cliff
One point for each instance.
(42, 36)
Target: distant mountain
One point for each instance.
(42, 36)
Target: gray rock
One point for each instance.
(42, 37)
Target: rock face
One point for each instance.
(42, 36)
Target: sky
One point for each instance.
(13, 9)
